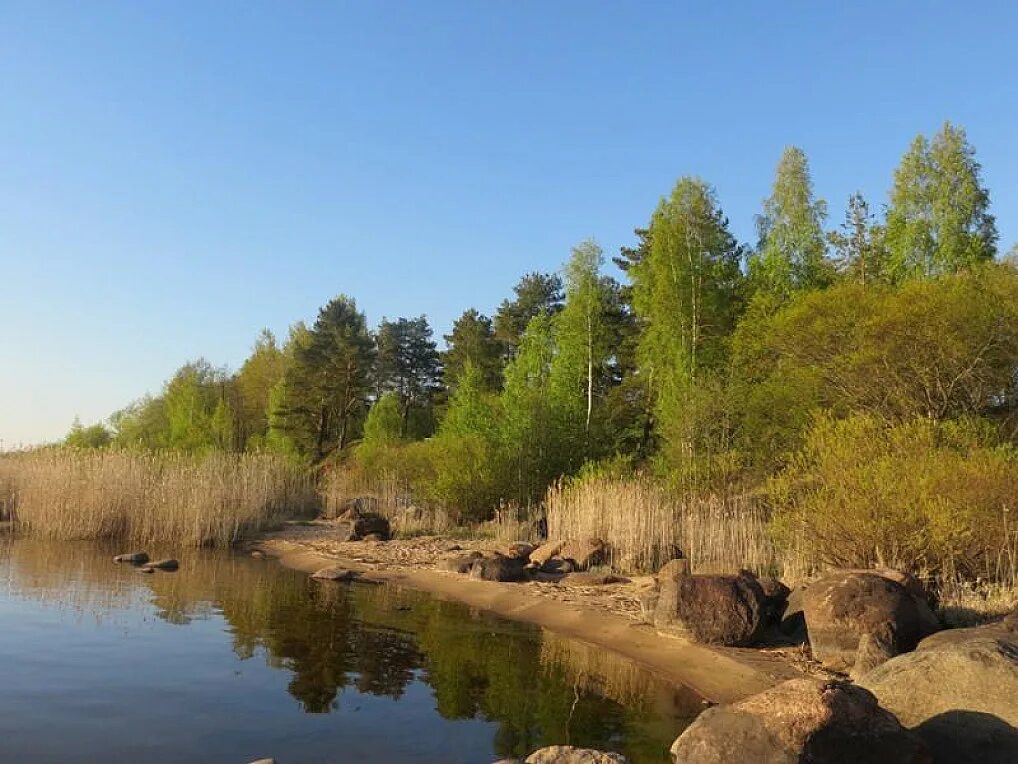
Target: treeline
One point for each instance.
(713, 364)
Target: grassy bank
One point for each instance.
(150, 497)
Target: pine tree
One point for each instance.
(408, 365)
(325, 390)
(536, 293)
(472, 342)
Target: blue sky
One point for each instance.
(176, 176)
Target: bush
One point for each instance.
(925, 496)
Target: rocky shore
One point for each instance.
(854, 663)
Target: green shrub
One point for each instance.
(921, 495)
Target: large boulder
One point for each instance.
(557, 566)
(928, 621)
(958, 691)
(793, 621)
(800, 721)
(545, 552)
(362, 526)
(567, 754)
(459, 563)
(775, 597)
(498, 568)
(521, 550)
(714, 609)
(857, 620)
(584, 552)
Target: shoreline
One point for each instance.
(719, 675)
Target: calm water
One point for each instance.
(233, 659)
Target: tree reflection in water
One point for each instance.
(538, 688)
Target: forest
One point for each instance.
(857, 379)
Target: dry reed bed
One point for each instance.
(645, 525)
(394, 501)
(152, 497)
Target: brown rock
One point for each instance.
(798, 722)
(167, 565)
(567, 754)
(334, 573)
(135, 558)
(714, 609)
(584, 552)
(521, 550)
(558, 566)
(775, 597)
(362, 526)
(958, 691)
(545, 552)
(928, 621)
(498, 568)
(460, 563)
(855, 621)
(793, 621)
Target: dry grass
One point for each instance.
(393, 500)
(151, 498)
(645, 524)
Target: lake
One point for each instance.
(232, 659)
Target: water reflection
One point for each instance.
(339, 640)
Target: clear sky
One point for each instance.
(174, 176)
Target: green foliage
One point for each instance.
(686, 292)
(93, 436)
(934, 349)
(407, 364)
(384, 424)
(895, 355)
(536, 293)
(253, 384)
(938, 220)
(921, 495)
(472, 341)
(578, 372)
(793, 252)
(463, 463)
(861, 249)
(325, 390)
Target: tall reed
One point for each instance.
(391, 497)
(152, 497)
(645, 525)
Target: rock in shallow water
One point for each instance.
(334, 573)
(136, 558)
(167, 565)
